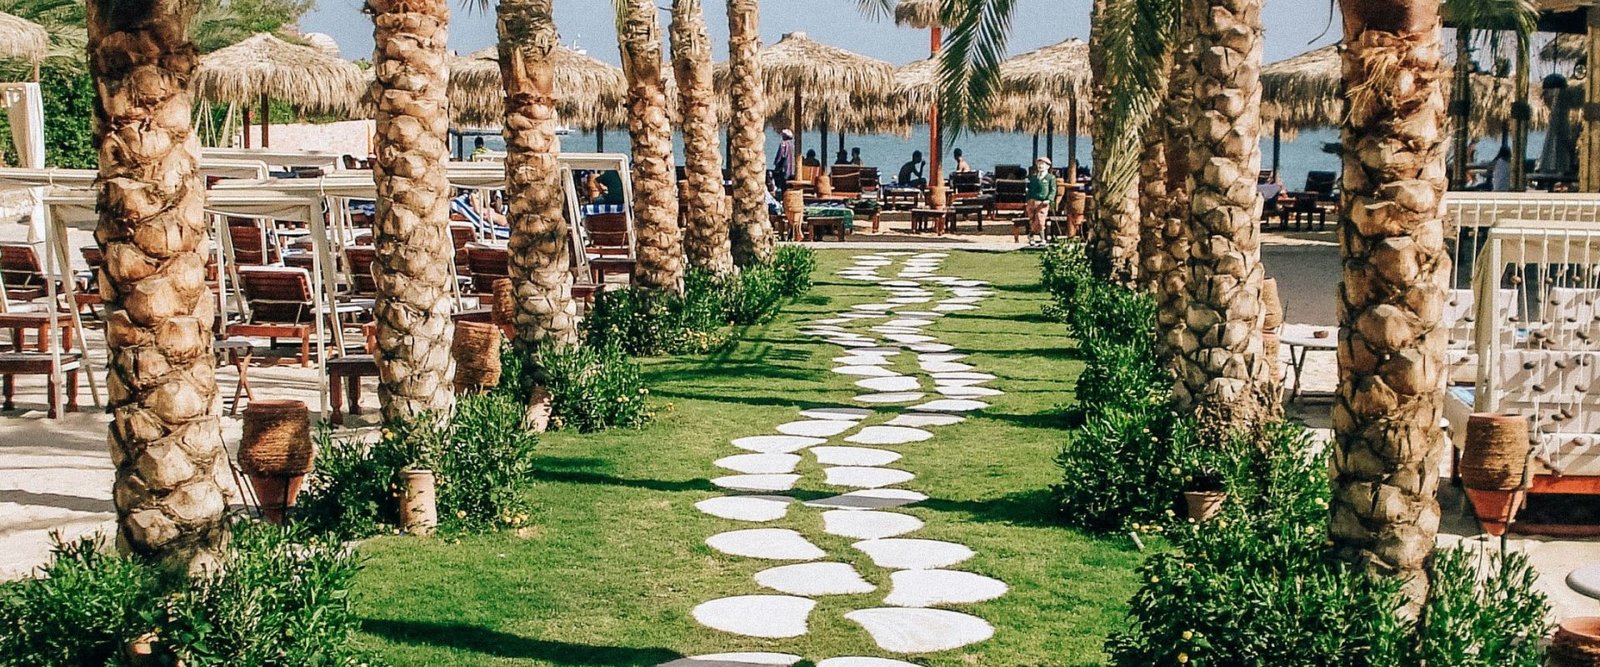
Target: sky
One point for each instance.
(1292, 26)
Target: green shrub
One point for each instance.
(1116, 468)
(278, 600)
(794, 265)
(754, 296)
(590, 389)
(648, 322)
(352, 490)
(489, 457)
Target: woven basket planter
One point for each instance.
(1495, 452)
(1271, 305)
(277, 439)
(504, 310)
(476, 350)
(1576, 644)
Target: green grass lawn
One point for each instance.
(616, 558)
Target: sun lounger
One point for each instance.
(282, 305)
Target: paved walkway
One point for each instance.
(858, 461)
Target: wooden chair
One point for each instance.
(281, 305)
(1009, 172)
(965, 185)
(13, 364)
(487, 264)
(870, 181)
(609, 249)
(361, 258)
(847, 184)
(22, 272)
(250, 246)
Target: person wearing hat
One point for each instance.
(783, 166)
(1041, 193)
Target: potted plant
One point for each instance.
(420, 440)
(1204, 485)
(276, 453)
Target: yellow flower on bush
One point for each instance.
(1183, 658)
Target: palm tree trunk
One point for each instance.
(411, 230)
(1114, 232)
(706, 226)
(1153, 201)
(541, 263)
(1222, 372)
(165, 439)
(1388, 444)
(1170, 262)
(655, 189)
(752, 227)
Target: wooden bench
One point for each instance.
(13, 364)
(346, 372)
(818, 226)
(929, 219)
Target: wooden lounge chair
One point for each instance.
(870, 181)
(13, 364)
(487, 264)
(1009, 172)
(965, 185)
(846, 184)
(609, 249)
(282, 305)
(250, 246)
(361, 258)
(22, 272)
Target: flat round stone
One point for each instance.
(950, 405)
(770, 616)
(853, 342)
(932, 347)
(873, 307)
(900, 630)
(813, 579)
(878, 351)
(760, 464)
(909, 338)
(920, 420)
(755, 509)
(895, 383)
(969, 392)
(765, 543)
(864, 477)
(963, 375)
(868, 525)
(888, 435)
(908, 323)
(736, 660)
(919, 314)
(884, 328)
(863, 662)
(934, 588)
(816, 428)
(860, 315)
(776, 444)
(944, 366)
(954, 307)
(862, 360)
(890, 397)
(869, 499)
(908, 299)
(837, 414)
(757, 482)
(865, 371)
(904, 554)
(970, 292)
(854, 456)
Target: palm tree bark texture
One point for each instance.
(751, 227)
(541, 263)
(411, 229)
(660, 261)
(1222, 373)
(165, 439)
(706, 219)
(1388, 444)
(1169, 261)
(1153, 201)
(1114, 231)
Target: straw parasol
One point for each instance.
(1046, 89)
(919, 14)
(835, 84)
(264, 67)
(1565, 49)
(22, 39)
(589, 94)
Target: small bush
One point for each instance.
(646, 322)
(754, 296)
(490, 455)
(1117, 468)
(83, 609)
(594, 389)
(352, 491)
(794, 265)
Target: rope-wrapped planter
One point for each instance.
(277, 439)
(1576, 644)
(476, 350)
(504, 311)
(1495, 452)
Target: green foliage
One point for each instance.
(1481, 612)
(279, 599)
(488, 457)
(648, 323)
(352, 490)
(594, 389)
(69, 117)
(754, 296)
(795, 264)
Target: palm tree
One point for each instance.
(1391, 348)
(751, 227)
(411, 230)
(655, 189)
(1114, 233)
(706, 223)
(1166, 258)
(165, 438)
(540, 261)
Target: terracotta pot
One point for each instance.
(824, 186)
(1077, 202)
(419, 503)
(1204, 504)
(276, 493)
(1577, 643)
(1496, 509)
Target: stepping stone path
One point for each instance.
(848, 444)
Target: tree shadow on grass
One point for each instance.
(582, 477)
(1034, 508)
(506, 645)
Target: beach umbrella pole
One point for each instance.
(266, 124)
(1050, 138)
(1277, 146)
(935, 43)
(798, 137)
(1072, 133)
(1035, 154)
(245, 131)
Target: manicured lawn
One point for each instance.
(616, 558)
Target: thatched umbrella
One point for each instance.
(925, 15)
(1045, 85)
(590, 95)
(265, 68)
(21, 39)
(835, 82)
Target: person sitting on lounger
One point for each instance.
(911, 172)
(961, 162)
(611, 183)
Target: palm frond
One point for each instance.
(969, 62)
(876, 9)
(1137, 39)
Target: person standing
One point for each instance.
(784, 165)
(1041, 193)
(855, 156)
(1500, 171)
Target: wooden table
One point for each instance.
(923, 218)
(815, 227)
(13, 364)
(347, 371)
(1301, 345)
(45, 323)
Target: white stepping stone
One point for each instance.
(888, 435)
(736, 660)
(870, 499)
(890, 397)
(865, 371)
(755, 509)
(920, 421)
(766, 544)
(896, 383)
(860, 315)
(760, 464)
(876, 351)
(933, 588)
(919, 314)
(816, 428)
(932, 347)
(969, 392)
(901, 630)
(896, 330)
(941, 357)
(776, 444)
(863, 662)
(862, 477)
(937, 382)
(862, 360)
(873, 307)
(868, 525)
(944, 366)
(854, 456)
(963, 375)
(813, 579)
(909, 338)
(757, 482)
(837, 414)
(950, 405)
(904, 554)
(909, 323)
(953, 307)
(769, 616)
(962, 300)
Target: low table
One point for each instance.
(344, 372)
(13, 364)
(816, 227)
(44, 323)
(924, 218)
(1301, 345)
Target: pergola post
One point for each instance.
(1589, 144)
(935, 142)
(1521, 118)
(1461, 109)
(266, 123)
